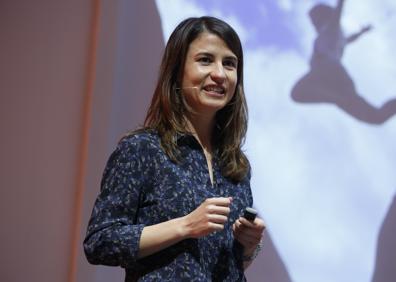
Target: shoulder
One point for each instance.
(136, 151)
(138, 146)
(139, 140)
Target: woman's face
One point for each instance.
(210, 74)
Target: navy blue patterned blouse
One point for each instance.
(141, 186)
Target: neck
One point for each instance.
(201, 127)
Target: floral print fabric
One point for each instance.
(141, 186)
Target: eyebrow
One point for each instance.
(232, 58)
(229, 57)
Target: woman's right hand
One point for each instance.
(209, 217)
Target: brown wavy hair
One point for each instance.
(167, 111)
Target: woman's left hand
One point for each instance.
(248, 233)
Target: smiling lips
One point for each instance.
(215, 90)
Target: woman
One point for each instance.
(173, 192)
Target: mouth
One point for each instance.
(217, 90)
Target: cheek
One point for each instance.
(233, 77)
(192, 79)
(233, 83)
(233, 90)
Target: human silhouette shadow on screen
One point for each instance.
(327, 80)
(385, 265)
(268, 266)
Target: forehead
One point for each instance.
(209, 43)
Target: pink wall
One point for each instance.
(43, 70)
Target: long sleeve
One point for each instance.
(112, 237)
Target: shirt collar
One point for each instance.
(187, 139)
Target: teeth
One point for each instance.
(215, 89)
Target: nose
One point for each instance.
(218, 73)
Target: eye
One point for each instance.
(230, 63)
(205, 60)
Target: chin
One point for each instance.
(213, 107)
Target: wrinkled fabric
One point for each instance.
(141, 186)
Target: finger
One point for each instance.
(217, 218)
(214, 209)
(248, 240)
(257, 224)
(222, 201)
(237, 225)
(246, 223)
(215, 226)
(253, 234)
(252, 237)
